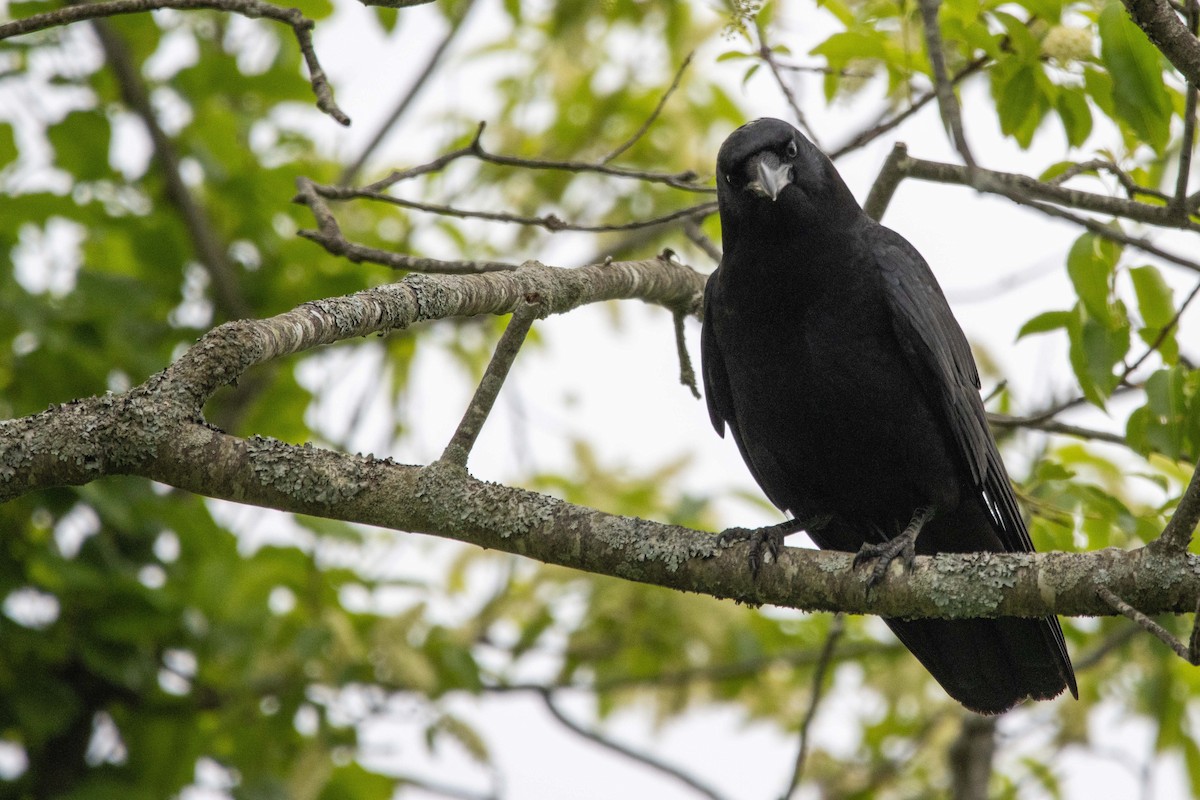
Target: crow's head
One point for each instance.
(767, 168)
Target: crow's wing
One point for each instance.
(938, 352)
(712, 365)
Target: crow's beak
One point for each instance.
(768, 176)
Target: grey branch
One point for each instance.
(435, 58)
(947, 101)
(301, 26)
(1145, 623)
(645, 126)
(818, 687)
(155, 431)
(459, 448)
(637, 755)
(1169, 34)
(688, 181)
(329, 235)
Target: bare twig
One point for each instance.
(1176, 537)
(947, 101)
(696, 236)
(1162, 335)
(1167, 31)
(489, 387)
(301, 26)
(768, 57)
(1146, 624)
(884, 125)
(836, 628)
(435, 58)
(1024, 189)
(1179, 201)
(1132, 188)
(550, 222)
(628, 752)
(890, 175)
(331, 238)
(687, 181)
(640, 132)
(687, 375)
(1052, 426)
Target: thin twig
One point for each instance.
(640, 132)
(691, 229)
(489, 387)
(947, 101)
(1145, 623)
(885, 185)
(628, 752)
(1162, 335)
(1176, 537)
(687, 375)
(1052, 426)
(431, 65)
(331, 238)
(301, 26)
(768, 57)
(1132, 188)
(1179, 201)
(687, 180)
(1023, 188)
(550, 222)
(874, 132)
(836, 628)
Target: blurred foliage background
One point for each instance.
(155, 644)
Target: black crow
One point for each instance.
(831, 354)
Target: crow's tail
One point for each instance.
(990, 665)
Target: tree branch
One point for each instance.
(628, 752)
(435, 58)
(301, 26)
(1169, 34)
(154, 431)
(640, 132)
(947, 101)
(818, 686)
(489, 387)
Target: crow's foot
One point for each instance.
(903, 546)
(769, 540)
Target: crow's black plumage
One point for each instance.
(831, 354)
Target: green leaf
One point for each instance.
(1157, 308)
(1139, 95)
(1075, 114)
(352, 782)
(1096, 347)
(1045, 322)
(1091, 264)
(1020, 91)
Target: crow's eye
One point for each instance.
(792, 149)
(728, 178)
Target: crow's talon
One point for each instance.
(903, 546)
